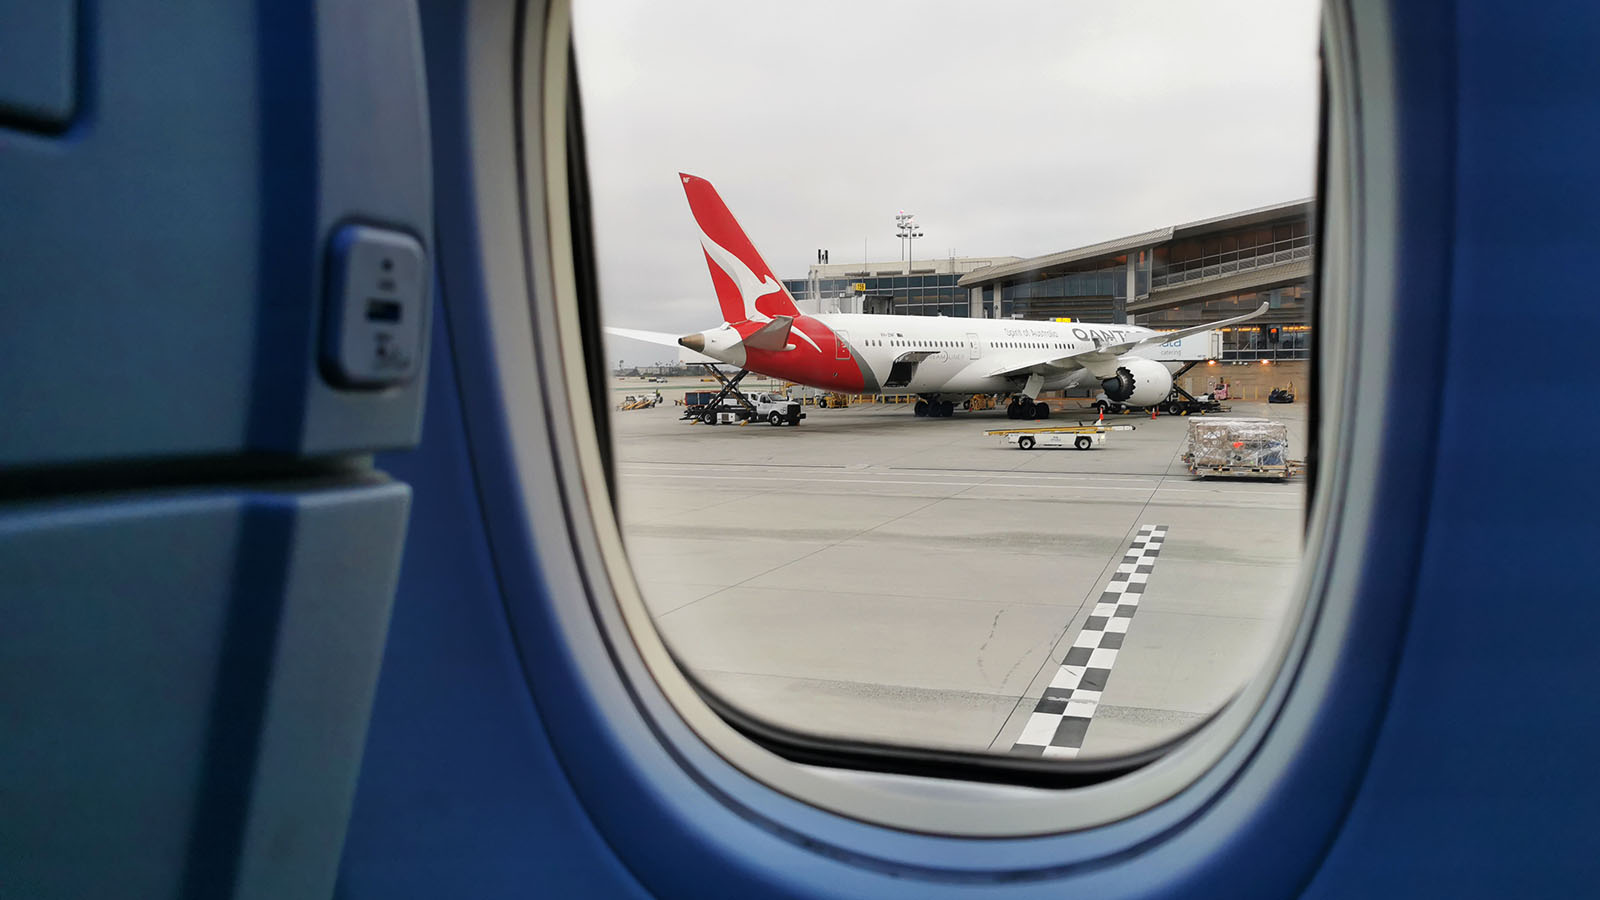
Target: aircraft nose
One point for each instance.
(695, 342)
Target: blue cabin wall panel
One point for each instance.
(38, 64)
(129, 285)
(460, 792)
(1482, 782)
(189, 675)
(163, 291)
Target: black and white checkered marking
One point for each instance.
(1056, 728)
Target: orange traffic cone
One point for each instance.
(1152, 412)
(1102, 419)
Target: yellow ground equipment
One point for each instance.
(981, 402)
(639, 401)
(1082, 437)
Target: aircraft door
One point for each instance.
(841, 345)
(972, 340)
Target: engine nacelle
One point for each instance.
(1138, 382)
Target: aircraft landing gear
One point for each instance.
(921, 409)
(1023, 408)
(935, 409)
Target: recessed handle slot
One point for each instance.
(383, 311)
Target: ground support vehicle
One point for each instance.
(639, 401)
(980, 402)
(1080, 437)
(1178, 403)
(775, 409)
(731, 406)
(1182, 403)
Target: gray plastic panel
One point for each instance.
(372, 333)
(38, 63)
(376, 169)
(189, 679)
(163, 257)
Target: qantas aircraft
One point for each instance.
(942, 360)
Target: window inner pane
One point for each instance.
(851, 544)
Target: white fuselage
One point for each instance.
(961, 355)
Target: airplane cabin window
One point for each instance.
(1078, 535)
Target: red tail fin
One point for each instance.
(746, 288)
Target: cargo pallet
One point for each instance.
(1265, 473)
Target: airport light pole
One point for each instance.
(907, 229)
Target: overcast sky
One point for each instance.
(1007, 128)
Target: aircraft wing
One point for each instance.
(664, 339)
(1104, 354)
(772, 336)
(652, 337)
(1165, 336)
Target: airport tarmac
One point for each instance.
(875, 575)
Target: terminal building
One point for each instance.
(925, 287)
(1164, 278)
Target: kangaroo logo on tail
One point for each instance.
(746, 288)
(751, 288)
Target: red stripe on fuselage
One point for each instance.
(820, 366)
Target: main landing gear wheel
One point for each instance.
(921, 409)
(1083, 442)
(1025, 442)
(1014, 410)
(1041, 411)
(774, 418)
(947, 409)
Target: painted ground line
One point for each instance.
(1056, 727)
(1152, 485)
(848, 481)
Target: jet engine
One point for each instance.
(1138, 382)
